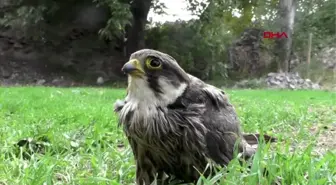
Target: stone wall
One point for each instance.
(248, 56)
(71, 54)
(328, 57)
(289, 81)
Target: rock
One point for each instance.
(251, 84)
(275, 82)
(291, 86)
(289, 81)
(327, 57)
(315, 86)
(5, 73)
(100, 80)
(55, 81)
(271, 74)
(58, 81)
(247, 53)
(40, 82)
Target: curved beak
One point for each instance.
(133, 68)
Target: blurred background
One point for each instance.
(86, 42)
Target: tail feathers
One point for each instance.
(251, 142)
(253, 139)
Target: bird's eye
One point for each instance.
(153, 63)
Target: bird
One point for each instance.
(175, 123)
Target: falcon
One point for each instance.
(175, 123)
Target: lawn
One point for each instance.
(70, 136)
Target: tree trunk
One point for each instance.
(136, 33)
(285, 23)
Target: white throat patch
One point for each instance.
(143, 102)
(141, 94)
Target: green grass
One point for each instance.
(80, 142)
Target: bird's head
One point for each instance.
(154, 77)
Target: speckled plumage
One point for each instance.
(175, 122)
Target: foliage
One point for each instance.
(206, 40)
(318, 18)
(84, 145)
(324, 17)
(38, 16)
(119, 18)
(203, 50)
(317, 73)
(251, 84)
(201, 46)
(27, 17)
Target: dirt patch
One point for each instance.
(73, 58)
(327, 139)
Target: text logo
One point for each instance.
(272, 35)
